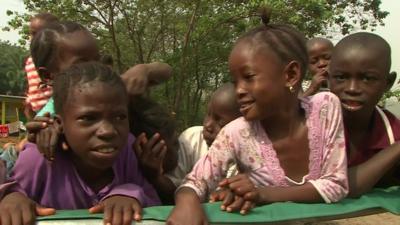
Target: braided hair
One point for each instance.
(79, 74)
(285, 41)
(45, 46)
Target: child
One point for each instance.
(99, 170)
(359, 76)
(319, 54)
(292, 149)
(37, 96)
(195, 141)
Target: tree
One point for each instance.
(11, 69)
(194, 36)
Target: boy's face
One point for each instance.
(77, 47)
(218, 115)
(319, 55)
(95, 124)
(35, 26)
(359, 77)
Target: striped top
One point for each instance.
(37, 96)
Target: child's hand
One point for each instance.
(46, 134)
(245, 197)
(38, 123)
(16, 209)
(119, 210)
(318, 79)
(220, 195)
(151, 154)
(188, 210)
(136, 80)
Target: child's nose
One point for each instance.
(353, 87)
(106, 130)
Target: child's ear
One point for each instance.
(391, 78)
(293, 74)
(59, 122)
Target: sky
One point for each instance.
(390, 32)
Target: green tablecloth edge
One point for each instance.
(388, 199)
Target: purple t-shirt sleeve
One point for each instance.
(133, 182)
(31, 162)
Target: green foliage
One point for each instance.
(194, 36)
(11, 69)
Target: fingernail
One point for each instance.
(242, 212)
(229, 209)
(44, 124)
(108, 223)
(223, 207)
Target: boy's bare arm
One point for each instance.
(363, 177)
(158, 72)
(142, 76)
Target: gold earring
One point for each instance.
(291, 89)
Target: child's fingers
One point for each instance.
(137, 212)
(247, 206)
(228, 199)
(241, 187)
(28, 214)
(53, 144)
(127, 216)
(236, 204)
(163, 153)
(137, 147)
(5, 218)
(16, 217)
(117, 215)
(35, 126)
(223, 183)
(158, 147)
(152, 141)
(108, 213)
(44, 211)
(97, 208)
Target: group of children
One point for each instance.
(101, 144)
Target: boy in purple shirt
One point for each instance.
(99, 171)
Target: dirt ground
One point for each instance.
(377, 219)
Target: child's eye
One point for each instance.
(369, 78)
(327, 57)
(86, 118)
(339, 77)
(249, 76)
(121, 117)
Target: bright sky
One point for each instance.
(391, 30)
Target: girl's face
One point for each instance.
(95, 124)
(259, 81)
(76, 47)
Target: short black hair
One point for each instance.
(315, 40)
(364, 40)
(45, 45)
(287, 43)
(149, 117)
(79, 74)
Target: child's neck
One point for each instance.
(96, 179)
(357, 122)
(285, 123)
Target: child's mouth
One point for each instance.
(351, 105)
(245, 107)
(105, 153)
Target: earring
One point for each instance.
(291, 89)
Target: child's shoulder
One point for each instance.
(191, 132)
(321, 101)
(323, 97)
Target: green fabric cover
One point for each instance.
(388, 199)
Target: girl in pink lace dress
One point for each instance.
(287, 149)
